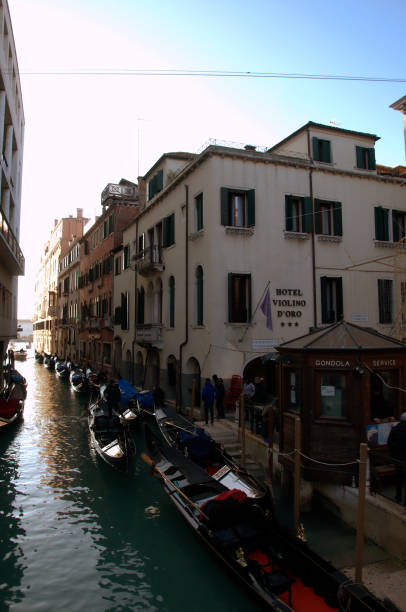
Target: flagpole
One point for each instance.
(256, 308)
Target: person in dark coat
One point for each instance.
(218, 383)
(397, 448)
(209, 394)
(112, 394)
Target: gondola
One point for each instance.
(20, 355)
(39, 357)
(49, 362)
(61, 369)
(11, 410)
(129, 411)
(277, 567)
(196, 444)
(78, 380)
(110, 437)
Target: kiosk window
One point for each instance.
(333, 392)
(293, 384)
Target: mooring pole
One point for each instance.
(362, 480)
(296, 500)
(192, 408)
(242, 421)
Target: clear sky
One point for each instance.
(85, 130)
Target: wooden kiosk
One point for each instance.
(344, 382)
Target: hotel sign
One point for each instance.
(289, 304)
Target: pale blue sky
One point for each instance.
(83, 131)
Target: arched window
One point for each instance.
(199, 295)
(149, 311)
(140, 306)
(171, 322)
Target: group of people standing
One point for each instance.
(213, 392)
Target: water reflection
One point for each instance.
(76, 534)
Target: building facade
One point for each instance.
(241, 250)
(45, 319)
(11, 162)
(97, 260)
(68, 301)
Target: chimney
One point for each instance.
(79, 213)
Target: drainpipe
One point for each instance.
(180, 398)
(313, 233)
(135, 302)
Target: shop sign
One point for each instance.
(289, 304)
(332, 363)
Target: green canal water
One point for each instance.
(77, 535)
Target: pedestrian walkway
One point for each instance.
(383, 574)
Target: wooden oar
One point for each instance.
(168, 422)
(149, 462)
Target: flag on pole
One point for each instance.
(266, 309)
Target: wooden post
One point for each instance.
(271, 419)
(296, 499)
(242, 422)
(192, 408)
(359, 551)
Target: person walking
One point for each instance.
(397, 448)
(209, 394)
(218, 383)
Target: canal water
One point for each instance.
(77, 535)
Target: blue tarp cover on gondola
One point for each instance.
(197, 443)
(127, 390)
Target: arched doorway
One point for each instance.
(127, 366)
(172, 371)
(192, 373)
(138, 369)
(151, 369)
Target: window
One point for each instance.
(365, 158)
(171, 302)
(239, 298)
(117, 266)
(385, 299)
(126, 256)
(321, 150)
(237, 207)
(293, 390)
(398, 225)
(328, 218)
(333, 395)
(111, 224)
(141, 306)
(199, 212)
(298, 214)
(199, 295)
(155, 184)
(168, 230)
(124, 311)
(331, 299)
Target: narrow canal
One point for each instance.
(77, 535)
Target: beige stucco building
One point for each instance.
(311, 220)
(47, 278)
(11, 161)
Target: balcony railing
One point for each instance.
(12, 255)
(149, 333)
(149, 260)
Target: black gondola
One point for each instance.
(109, 435)
(61, 369)
(280, 569)
(200, 447)
(78, 380)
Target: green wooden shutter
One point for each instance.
(288, 213)
(307, 216)
(323, 295)
(360, 162)
(230, 297)
(326, 151)
(339, 297)
(317, 216)
(395, 226)
(337, 219)
(381, 223)
(371, 159)
(199, 212)
(249, 298)
(315, 148)
(250, 207)
(165, 232)
(159, 178)
(225, 216)
(171, 302)
(172, 229)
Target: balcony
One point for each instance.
(51, 311)
(149, 260)
(149, 334)
(11, 255)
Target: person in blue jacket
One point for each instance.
(209, 394)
